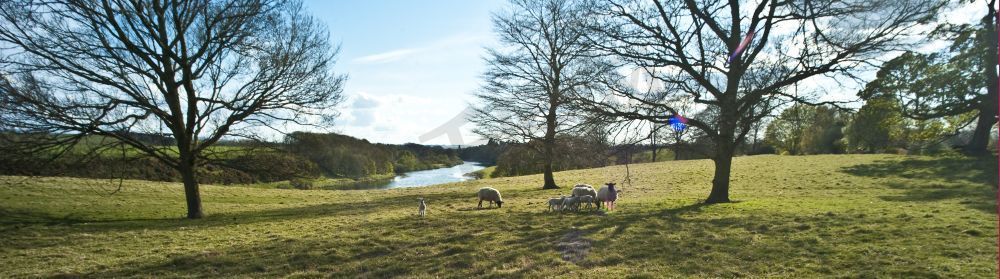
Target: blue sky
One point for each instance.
(412, 65)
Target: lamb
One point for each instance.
(556, 203)
(585, 190)
(588, 200)
(608, 194)
(571, 203)
(422, 208)
(491, 195)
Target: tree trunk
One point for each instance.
(654, 153)
(191, 192)
(977, 146)
(652, 140)
(725, 146)
(550, 182)
(720, 183)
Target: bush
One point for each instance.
(270, 166)
(301, 184)
(762, 149)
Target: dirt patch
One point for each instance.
(573, 246)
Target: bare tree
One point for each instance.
(530, 79)
(200, 69)
(689, 42)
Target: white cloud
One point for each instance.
(361, 112)
(441, 45)
(398, 95)
(362, 117)
(386, 57)
(399, 118)
(363, 101)
(385, 128)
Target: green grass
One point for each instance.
(662, 154)
(796, 216)
(109, 148)
(483, 173)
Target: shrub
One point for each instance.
(301, 183)
(270, 166)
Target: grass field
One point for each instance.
(796, 216)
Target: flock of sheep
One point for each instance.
(582, 194)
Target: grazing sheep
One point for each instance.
(422, 207)
(585, 190)
(491, 195)
(588, 200)
(556, 203)
(608, 194)
(571, 203)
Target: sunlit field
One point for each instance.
(795, 216)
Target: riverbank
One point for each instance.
(322, 183)
(483, 173)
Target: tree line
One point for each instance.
(345, 156)
(301, 155)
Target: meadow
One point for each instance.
(794, 216)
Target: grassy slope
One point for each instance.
(483, 173)
(807, 216)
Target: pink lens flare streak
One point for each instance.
(739, 49)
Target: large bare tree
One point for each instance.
(201, 70)
(530, 80)
(687, 44)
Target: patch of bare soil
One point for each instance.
(573, 246)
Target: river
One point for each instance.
(423, 178)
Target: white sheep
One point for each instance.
(571, 203)
(491, 195)
(422, 208)
(556, 203)
(608, 194)
(584, 190)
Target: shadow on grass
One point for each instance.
(973, 180)
(24, 218)
(513, 245)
